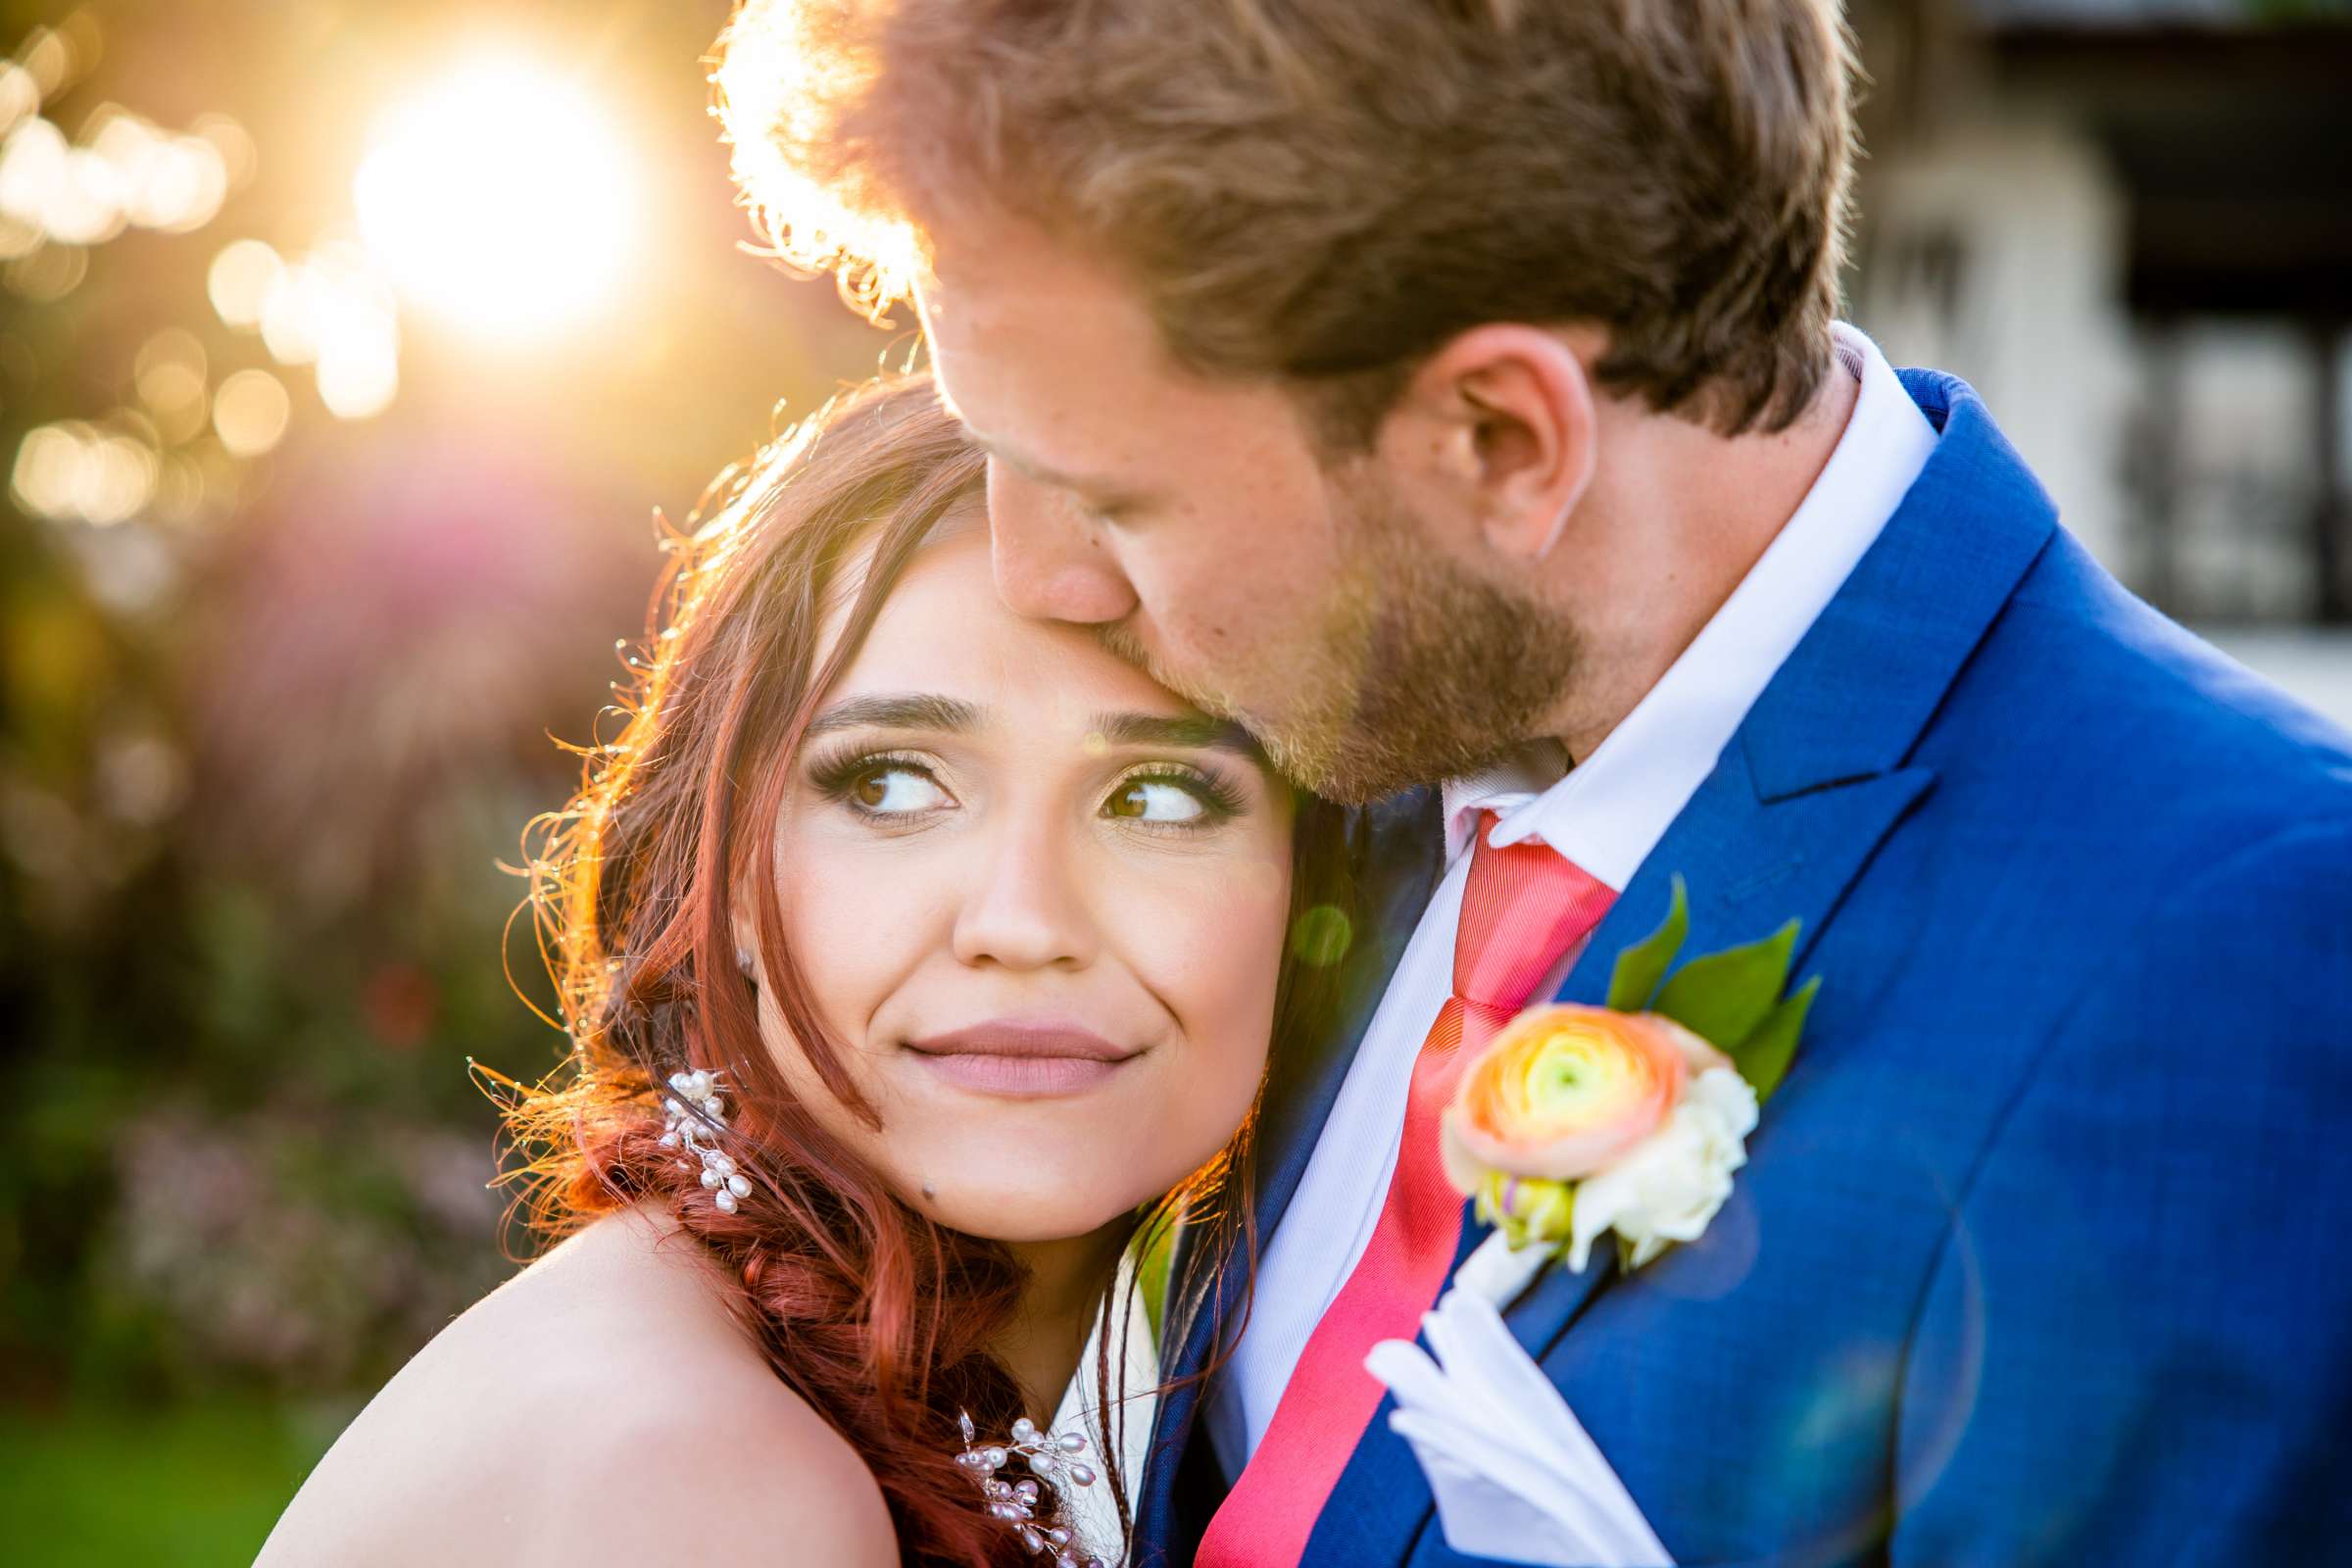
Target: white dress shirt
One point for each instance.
(1606, 815)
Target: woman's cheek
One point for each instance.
(1213, 951)
(846, 925)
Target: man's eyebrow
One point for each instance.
(896, 711)
(1192, 731)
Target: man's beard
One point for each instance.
(1411, 672)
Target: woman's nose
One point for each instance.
(1050, 561)
(1024, 910)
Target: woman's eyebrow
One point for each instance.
(1192, 730)
(896, 711)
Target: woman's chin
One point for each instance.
(1047, 1161)
(1024, 1213)
(1033, 1190)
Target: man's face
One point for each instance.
(1196, 523)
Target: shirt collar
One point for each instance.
(1610, 811)
(1519, 779)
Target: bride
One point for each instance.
(919, 962)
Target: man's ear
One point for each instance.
(1499, 422)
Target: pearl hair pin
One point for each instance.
(700, 1089)
(1051, 1458)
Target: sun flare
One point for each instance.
(501, 198)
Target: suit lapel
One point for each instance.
(1812, 846)
(1809, 786)
(1750, 866)
(1814, 779)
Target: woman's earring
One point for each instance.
(743, 962)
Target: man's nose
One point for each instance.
(1050, 561)
(1023, 909)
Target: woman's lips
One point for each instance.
(1022, 1061)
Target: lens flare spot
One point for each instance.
(1321, 936)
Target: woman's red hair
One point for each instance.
(878, 1317)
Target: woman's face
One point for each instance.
(1040, 902)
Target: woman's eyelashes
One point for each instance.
(1175, 798)
(895, 789)
(882, 786)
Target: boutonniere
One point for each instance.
(1576, 1121)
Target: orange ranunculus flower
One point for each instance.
(1564, 1090)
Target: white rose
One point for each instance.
(1669, 1186)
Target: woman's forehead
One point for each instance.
(943, 631)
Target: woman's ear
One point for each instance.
(1500, 422)
(747, 945)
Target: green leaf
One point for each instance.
(1723, 997)
(1763, 1056)
(1643, 966)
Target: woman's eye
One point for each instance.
(894, 789)
(1155, 800)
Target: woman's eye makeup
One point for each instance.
(895, 787)
(1172, 798)
(881, 785)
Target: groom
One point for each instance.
(1450, 390)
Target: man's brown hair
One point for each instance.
(1326, 191)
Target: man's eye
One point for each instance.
(894, 789)
(1157, 800)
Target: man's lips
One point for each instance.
(1022, 1060)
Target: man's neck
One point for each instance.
(1692, 513)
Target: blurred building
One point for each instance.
(2128, 224)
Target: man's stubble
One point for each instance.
(1410, 671)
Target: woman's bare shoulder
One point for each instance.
(599, 1405)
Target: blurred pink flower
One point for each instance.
(400, 639)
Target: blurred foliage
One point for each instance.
(209, 1480)
(260, 754)
(2299, 11)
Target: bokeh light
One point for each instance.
(47, 272)
(501, 198)
(19, 94)
(239, 280)
(239, 157)
(129, 173)
(72, 471)
(250, 413)
(162, 181)
(170, 374)
(333, 310)
(48, 468)
(48, 59)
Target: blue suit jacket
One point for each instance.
(2043, 1252)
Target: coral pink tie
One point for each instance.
(1524, 909)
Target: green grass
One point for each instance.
(188, 1487)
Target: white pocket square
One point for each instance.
(1514, 1474)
